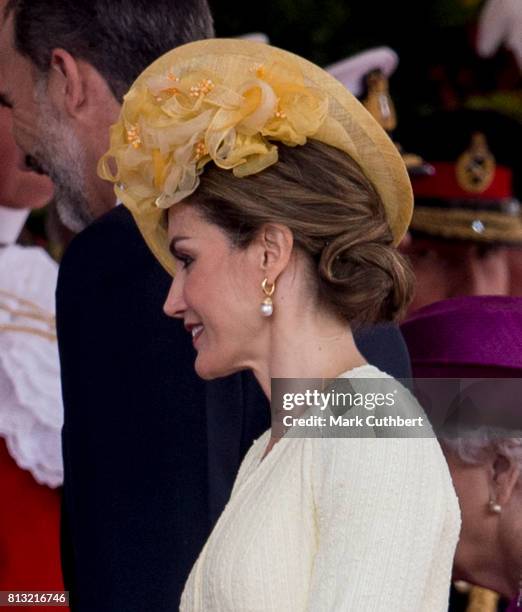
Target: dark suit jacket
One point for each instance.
(150, 450)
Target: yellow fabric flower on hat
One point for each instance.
(231, 102)
(174, 124)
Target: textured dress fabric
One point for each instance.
(329, 524)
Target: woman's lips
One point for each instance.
(196, 332)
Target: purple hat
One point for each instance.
(466, 337)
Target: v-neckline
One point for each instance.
(260, 459)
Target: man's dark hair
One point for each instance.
(119, 38)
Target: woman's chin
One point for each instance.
(208, 370)
(207, 375)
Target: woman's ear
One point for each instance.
(505, 473)
(276, 242)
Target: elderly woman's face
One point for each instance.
(490, 542)
(472, 487)
(217, 293)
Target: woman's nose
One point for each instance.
(174, 304)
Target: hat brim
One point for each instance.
(481, 226)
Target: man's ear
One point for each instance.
(65, 86)
(505, 473)
(276, 241)
(77, 89)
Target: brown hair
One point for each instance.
(336, 218)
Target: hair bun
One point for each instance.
(366, 281)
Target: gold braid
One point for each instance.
(30, 311)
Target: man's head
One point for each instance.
(515, 269)
(65, 66)
(450, 268)
(467, 212)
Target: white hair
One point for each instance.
(474, 447)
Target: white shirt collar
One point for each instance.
(11, 223)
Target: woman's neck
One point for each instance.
(308, 343)
(495, 563)
(506, 561)
(502, 580)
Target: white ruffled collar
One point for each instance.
(31, 413)
(11, 223)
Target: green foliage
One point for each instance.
(433, 38)
(451, 13)
(328, 30)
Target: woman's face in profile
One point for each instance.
(216, 292)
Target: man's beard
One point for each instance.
(61, 156)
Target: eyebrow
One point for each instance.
(174, 241)
(4, 101)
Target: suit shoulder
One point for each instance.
(112, 242)
(113, 231)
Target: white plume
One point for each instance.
(501, 24)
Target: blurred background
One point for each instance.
(436, 42)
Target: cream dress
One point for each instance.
(327, 524)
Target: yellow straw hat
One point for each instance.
(232, 102)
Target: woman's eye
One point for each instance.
(185, 260)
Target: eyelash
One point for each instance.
(186, 260)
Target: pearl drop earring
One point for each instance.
(267, 306)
